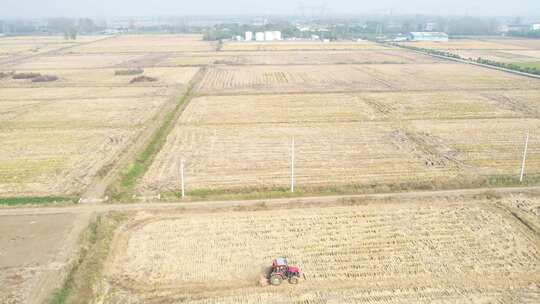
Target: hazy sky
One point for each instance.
(109, 8)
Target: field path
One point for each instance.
(297, 201)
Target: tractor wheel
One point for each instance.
(275, 280)
(293, 280)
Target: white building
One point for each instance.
(259, 36)
(249, 36)
(277, 35)
(268, 36)
(535, 26)
(428, 36)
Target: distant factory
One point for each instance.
(263, 36)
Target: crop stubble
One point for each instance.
(391, 253)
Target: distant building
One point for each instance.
(268, 36)
(277, 35)
(535, 26)
(428, 36)
(259, 36)
(503, 29)
(249, 36)
(430, 26)
(518, 28)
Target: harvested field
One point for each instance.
(362, 139)
(147, 44)
(392, 56)
(354, 107)
(236, 157)
(489, 147)
(461, 251)
(501, 50)
(501, 56)
(300, 46)
(56, 147)
(74, 62)
(61, 136)
(14, 48)
(372, 77)
(107, 77)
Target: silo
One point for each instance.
(259, 36)
(277, 35)
(249, 36)
(268, 36)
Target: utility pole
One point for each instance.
(182, 178)
(524, 157)
(292, 165)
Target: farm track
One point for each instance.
(320, 201)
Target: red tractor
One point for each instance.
(281, 270)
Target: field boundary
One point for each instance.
(122, 188)
(35, 200)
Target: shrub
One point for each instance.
(25, 75)
(4, 75)
(129, 72)
(143, 79)
(45, 78)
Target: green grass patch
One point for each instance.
(513, 181)
(122, 189)
(528, 65)
(330, 190)
(461, 182)
(38, 200)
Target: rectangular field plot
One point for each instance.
(224, 156)
(390, 56)
(74, 62)
(372, 77)
(501, 55)
(106, 77)
(401, 138)
(351, 107)
(53, 93)
(489, 147)
(54, 146)
(378, 253)
(301, 46)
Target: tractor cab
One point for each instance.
(282, 271)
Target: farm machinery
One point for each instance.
(280, 271)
